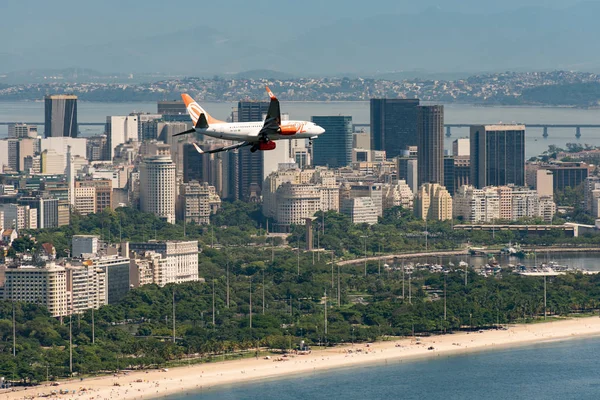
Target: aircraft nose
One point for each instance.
(320, 130)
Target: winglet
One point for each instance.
(198, 148)
(271, 95)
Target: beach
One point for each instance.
(181, 380)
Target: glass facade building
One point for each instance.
(334, 147)
(393, 125)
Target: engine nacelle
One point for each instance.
(270, 145)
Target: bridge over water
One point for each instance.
(544, 127)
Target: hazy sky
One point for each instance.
(34, 23)
(110, 34)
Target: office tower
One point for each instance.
(17, 151)
(116, 270)
(430, 132)
(147, 125)
(157, 187)
(18, 216)
(433, 202)
(176, 107)
(544, 182)
(251, 111)
(47, 210)
(461, 147)
(180, 259)
(192, 164)
(393, 125)
(96, 148)
(449, 178)
(361, 140)
(412, 175)
(84, 200)
(120, 129)
(568, 174)
(334, 147)
(19, 131)
(250, 165)
(497, 155)
(60, 115)
(166, 133)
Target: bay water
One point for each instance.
(551, 370)
(24, 111)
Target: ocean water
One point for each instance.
(552, 370)
(22, 111)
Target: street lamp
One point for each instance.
(365, 249)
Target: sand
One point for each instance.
(181, 380)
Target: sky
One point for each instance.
(42, 26)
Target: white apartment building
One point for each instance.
(397, 195)
(373, 190)
(180, 260)
(157, 187)
(84, 244)
(476, 205)
(362, 210)
(44, 286)
(525, 203)
(494, 204)
(318, 182)
(295, 203)
(86, 287)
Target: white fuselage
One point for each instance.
(249, 131)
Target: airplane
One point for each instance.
(260, 135)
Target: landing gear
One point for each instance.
(253, 148)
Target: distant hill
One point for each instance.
(261, 74)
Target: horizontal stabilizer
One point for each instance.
(185, 132)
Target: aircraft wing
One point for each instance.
(273, 119)
(226, 148)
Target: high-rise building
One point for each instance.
(398, 195)
(476, 205)
(497, 155)
(393, 125)
(18, 216)
(433, 202)
(45, 286)
(119, 130)
(194, 202)
(430, 133)
(84, 200)
(157, 187)
(60, 115)
(103, 189)
(334, 148)
(544, 182)
(176, 107)
(568, 174)
(252, 111)
(20, 131)
(86, 287)
(47, 210)
(116, 270)
(461, 147)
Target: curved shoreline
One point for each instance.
(182, 380)
(464, 252)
